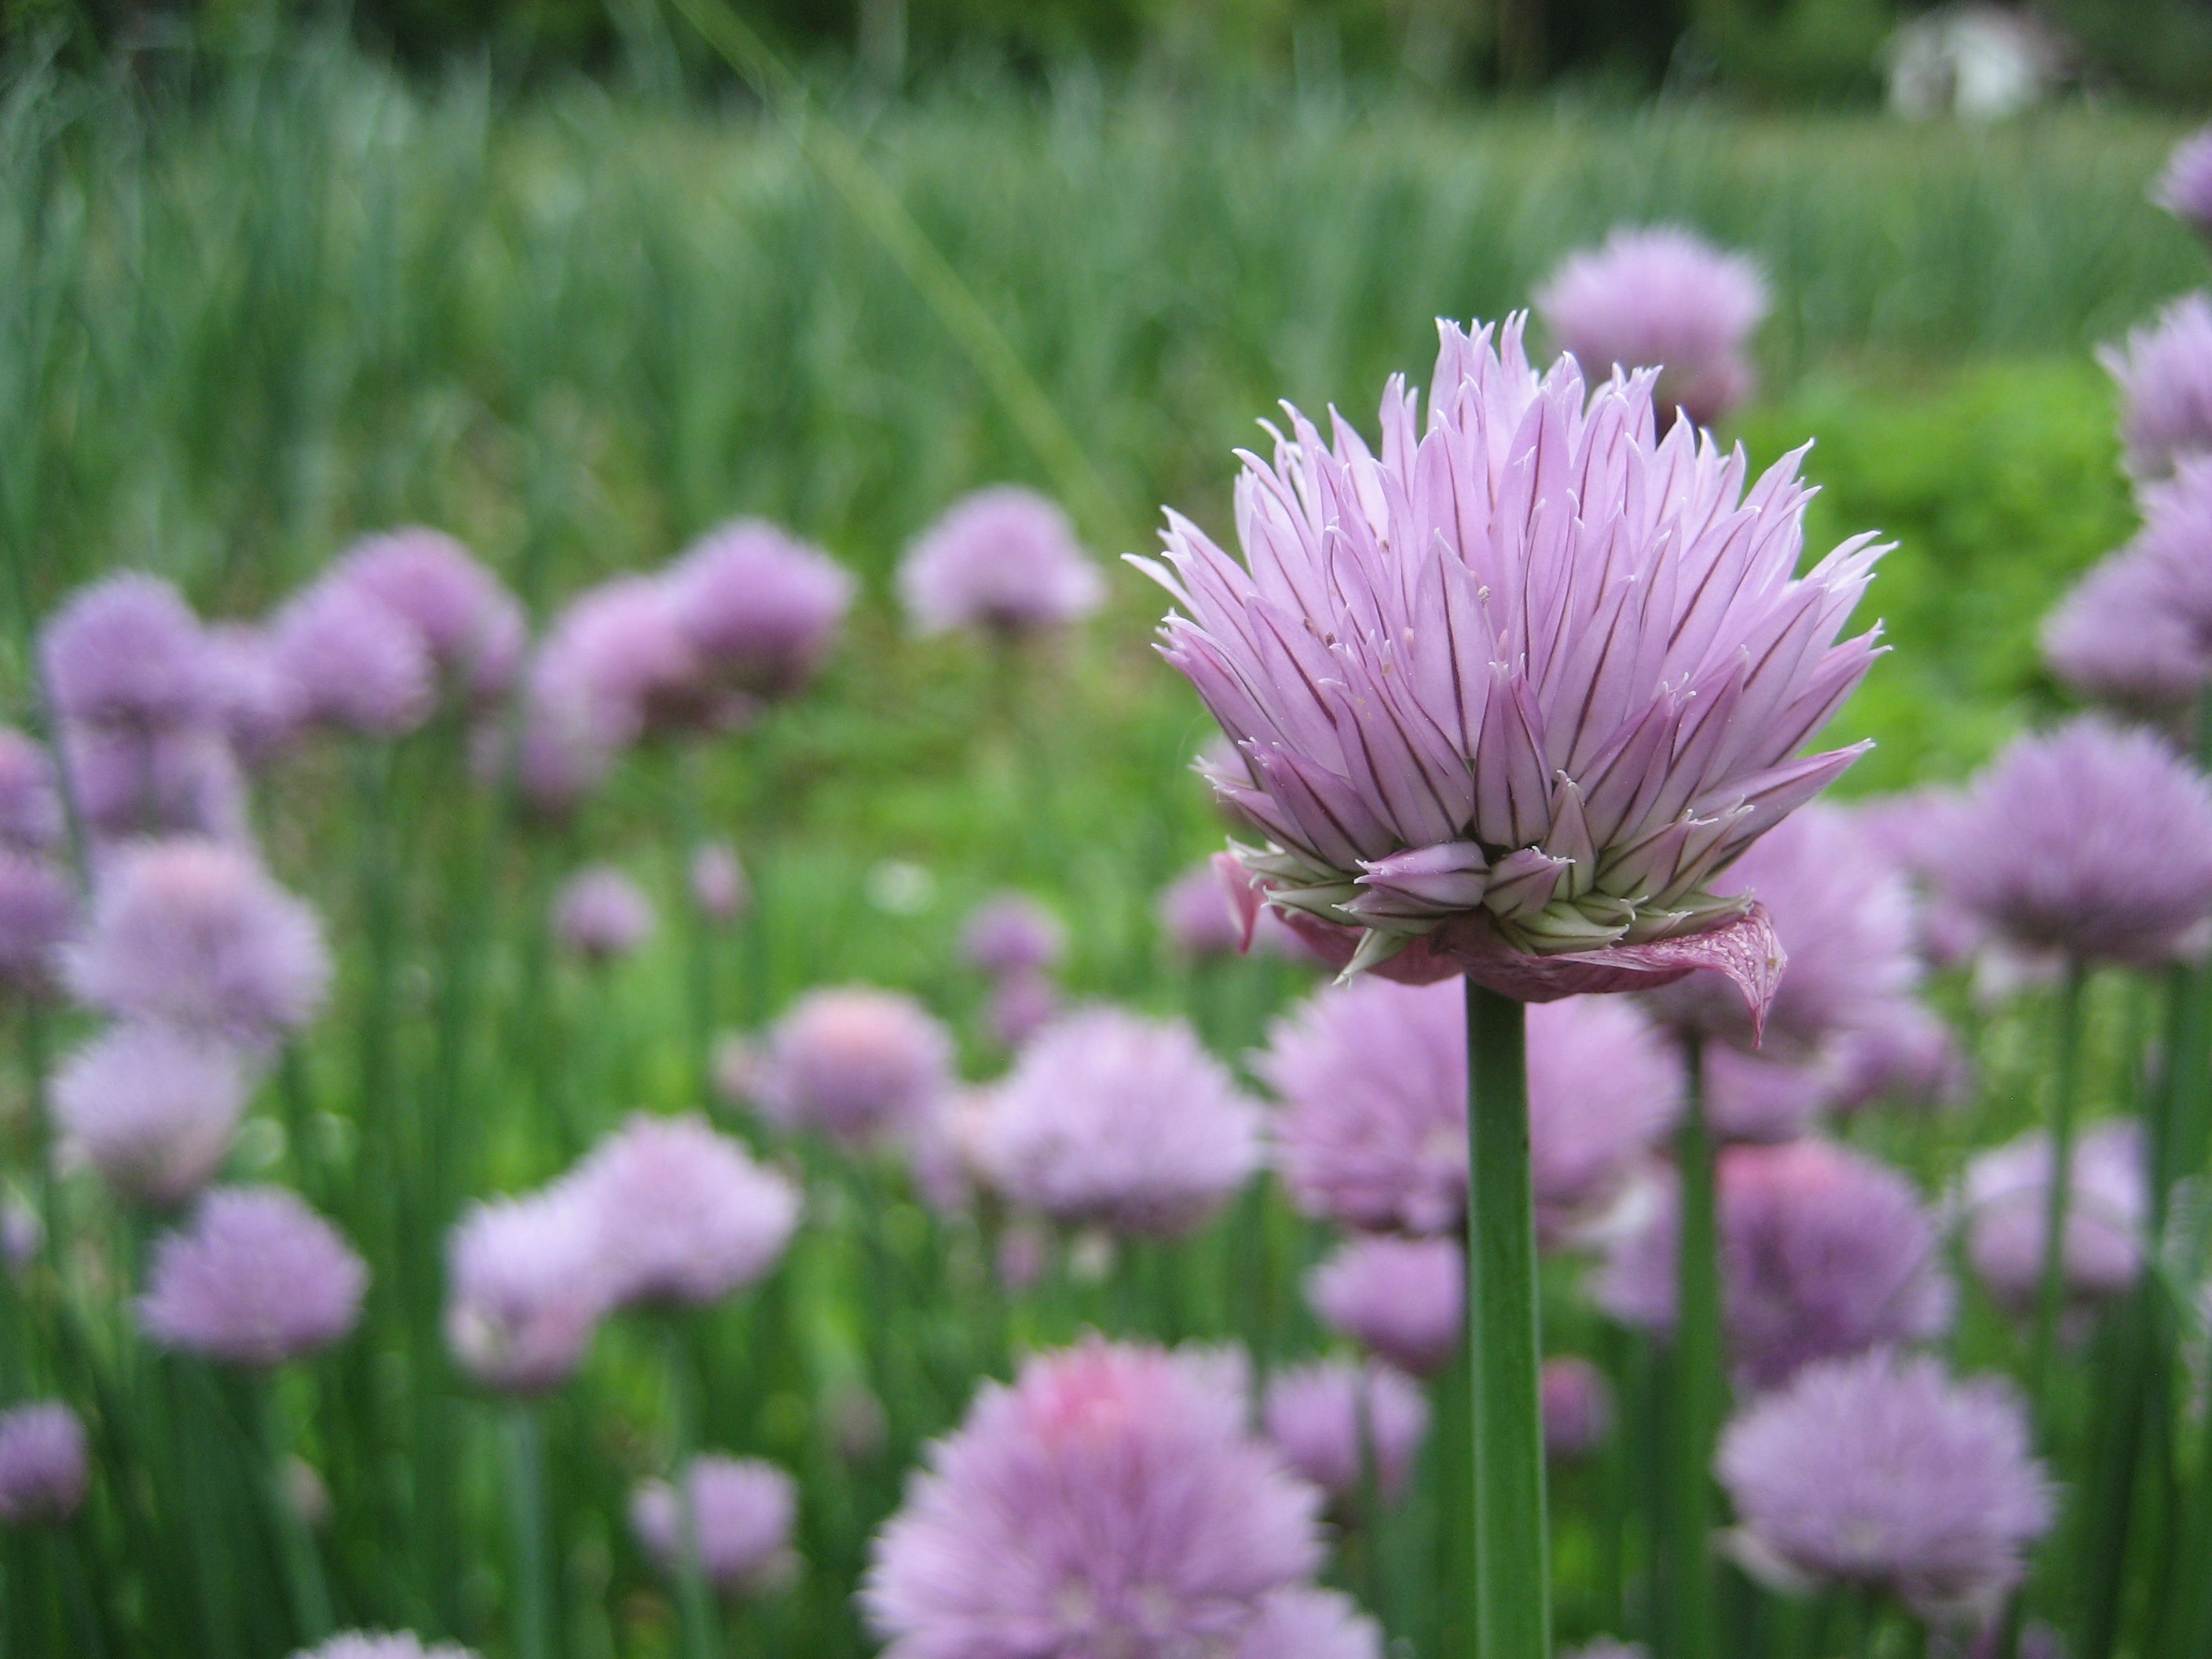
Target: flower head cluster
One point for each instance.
(759, 606)
(855, 1064)
(718, 881)
(1003, 559)
(1823, 1253)
(601, 915)
(259, 710)
(2008, 1195)
(127, 652)
(2091, 842)
(1306, 1623)
(37, 911)
(1663, 298)
(1404, 1300)
(1510, 696)
(527, 1287)
(1108, 1500)
(2165, 377)
(30, 800)
(2185, 189)
(470, 628)
(42, 1463)
(355, 663)
(1880, 1473)
(2136, 632)
(255, 1278)
(682, 1214)
(128, 782)
(152, 1108)
(741, 1513)
(1125, 1123)
(1329, 1419)
(1578, 1406)
(1011, 934)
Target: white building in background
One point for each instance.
(1974, 61)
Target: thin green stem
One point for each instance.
(698, 926)
(695, 1605)
(1699, 1395)
(2065, 1087)
(303, 1566)
(533, 1606)
(1512, 1574)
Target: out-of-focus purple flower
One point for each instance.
(2091, 841)
(255, 1278)
(525, 1288)
(601, 915)
(2007, 1191)
(742, 1511)
(1313, 1416)
(127, 652)
(1403, 1298)
(377, 1645)
(1199, 921)
(1911, 1058)
(30, 800)
(22, 1234)
(1012, 933)
(2117, 639)
(1021, 1005)
(1881, 1473)
(129, 782)
(473, 629)
(943, 1151)
(2185, 189)
(1024, 1252)
(1511, 694)
(36, 909)
(1110, 1500)
(152, 1108)
(42, 1463)
(358, 665)
(1823, 1253)
(855, 1064)
(682, 1214)
(616, 667)
(1578, 1404)
(1373, 1077)
(1915, 830)
(1844, 915)
(2164, 372)
(718, 881)
(258, 707)
(1306, 1623)
(1003, 559)
(1120, 1122)
(1765, 1098)
(760, 606)
(1662, 297)
(195, 935)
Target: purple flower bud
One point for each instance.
(42, 1463)
(760, 606)
(255, 1278)
(357, 663)
(2185, 189)
(127, 652)
(472, 626)
(1003, 559)
(717, 883)
(1313, 1417)
(1881, 1473)
(151, 1108)
(601, 916)
(858, 1064)
(195, 935)
(2006, 1194)
(617, 667)
(525, 1288)
(1402, 1298)
(259, 706)
(742, 1512)
(1578, 1404)
(1110, 1500)
(682, 1214)
(1011, 934)
(1120, 1122)
(1662, 297)
(129, 782)
(2165, 377)
(30, 801)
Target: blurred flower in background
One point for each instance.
(1003, 561)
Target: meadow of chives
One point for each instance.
(257, 313)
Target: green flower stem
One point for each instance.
(2065, 1087)
(1512, 1573)
(303, 1566)
(1373, 1559)
(533, 1605)
(698, 926)
(696, 1605)
(1699, 1395)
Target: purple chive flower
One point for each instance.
(1200, 919)
(1011, 934)
(761, 607)
(1577, 1403)
(1004, 560)
(1402, 1298)
(42, 1463)
(258, 707)
(2165, 377)
(741, 1512)
(1765, 1098)
(2091, 842)
(2117, 638)
(1880, 1473)
(195, 935)
(601, 916)
(1021, 1005)
(22, 1234)
(1844, 915)
(255, 1278)
(473, 629)
(1823, 1253)
(374, 1644)
(1127, 1123)
(2007, 1191)
(37, 911)
(855, 1064)
(1911, 1059)
(1663, 298)
(152, 1108)
(1306, 1623)
(617, 667)
(683, 1215)
(30, 800)
(1511, 696)
(127, 652)
(1373, 1077)
(1312, 1416)
(2185, 189)
(525, 1288)
(717, 883)
(358, 665)
(1110, 1500)
(127, 781)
